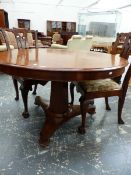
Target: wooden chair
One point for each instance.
(26, 84)
(104, 88)
(118, 43)
(20, 38)
(24, 37)
(56, 38)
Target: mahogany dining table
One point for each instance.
(59, 66)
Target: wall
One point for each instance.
(125, 25)
(38, 14)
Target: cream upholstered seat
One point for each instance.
(102, 44)
(99, 85)
(76, 42)
(58, 46)
(4, 48)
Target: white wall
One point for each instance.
(38, 14)
(125, 25)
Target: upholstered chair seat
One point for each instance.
(77, 42)
(4, 48)
(58, 46)
(120, 46)
(100, 85)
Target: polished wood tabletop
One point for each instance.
(60, 64)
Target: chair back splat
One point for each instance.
(126, 50)
(118, 43)
(25, 38)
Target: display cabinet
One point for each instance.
(4, 23)
(66, 29)
(24, 23)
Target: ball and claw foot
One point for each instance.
(37, 101)
(43, 143)
(16, 98)
(108, 108)
(81, 130)
(25, 114)
(34, 92)
(120, 121)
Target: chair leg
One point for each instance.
(34, 91)
(72, 92)
(107, 104)
(83, 108)
(24, 93)
(120, 106)
(15, 82)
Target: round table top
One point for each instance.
(60, 64)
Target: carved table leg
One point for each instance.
(24, 92)
(34, 91)
(16, 88)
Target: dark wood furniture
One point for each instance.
(4, 22)
(25, 84)
(24, 23)
(65, 29)
(46, 40)
(24, 37)
(60, 66)
(67, 35)
(118, 43)
(104, 87)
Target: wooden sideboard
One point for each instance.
(46, 40)
(4, 23)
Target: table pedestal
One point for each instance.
(58, 111)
